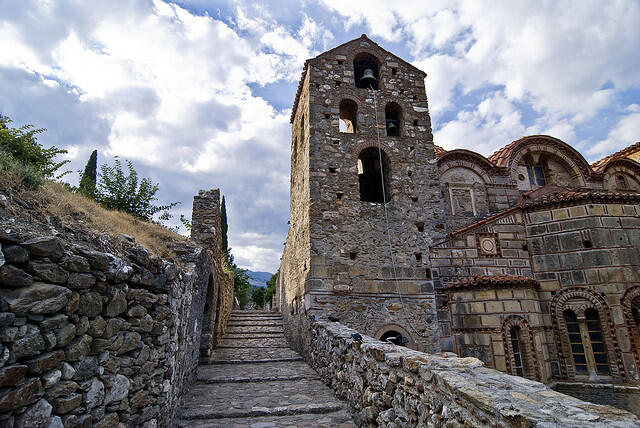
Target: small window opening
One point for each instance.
(516, 346)
(327, 116)
(575, 341)
(393, 117)
(365, 71)
(394, 337)
(336, 141)
(353, 255)
(525, 247)
(339, 195)
(394, 71)
(348, 116)
(621, 182)
(418, 257)
(414, 198)
(420, 226)
(587, 243)
(332, 170)
(536, 174)
(415, 122)
(427, 273)
(337, 84)
(409, 173)
(340, 62)
(370, 178)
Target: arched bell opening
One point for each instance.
(393, 119)
(348, 116)
(374, 184)
(366, 71)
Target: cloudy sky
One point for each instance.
(197, 93)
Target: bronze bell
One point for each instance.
(367, 79)
(392, 127)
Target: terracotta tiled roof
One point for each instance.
(599, 165)
(438, 151)
(497, 281)
(501, 157)
(485, 220)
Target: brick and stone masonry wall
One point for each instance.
(98, 336)
(390, 386)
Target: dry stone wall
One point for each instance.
(390, 386)
(101, 332)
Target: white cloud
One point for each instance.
(625, 133)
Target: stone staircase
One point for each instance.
(255, 380)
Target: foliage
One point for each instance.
(28, 159)
(271, 287)
(224, 229)
(185, 222)
(125, 192)
(257, 296)
(241, 285)
(89, 176)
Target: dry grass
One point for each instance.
(78, 212)
(69, 207)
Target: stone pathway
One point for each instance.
(255, 380)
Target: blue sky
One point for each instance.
(198, 93)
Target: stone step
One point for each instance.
(254, 336)
(255, 314)
(206, 361)
(251, 343)
(254, 323)
(256, 399)
(252, 354)
(219, 373)
(254, 329)
(339, 419)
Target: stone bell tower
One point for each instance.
(361, 136)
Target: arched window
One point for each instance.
(348, 116)
(598, 347)
(393, 119)
(366, 71)
(621, 182)
(575, 341)
(370, 178)
(394, 337)
(536, 174)
(517, 347)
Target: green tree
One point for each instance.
(224, 229)
(257, 296)
(271, 287)
(125, 192)
(23, 147)
(89, 176)
(241, 285)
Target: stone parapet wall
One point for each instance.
(390, 386)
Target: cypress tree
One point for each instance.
(223, 224)
(88, 181)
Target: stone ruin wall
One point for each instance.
(99, 336)
(392, 386)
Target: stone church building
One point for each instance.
(527, 259)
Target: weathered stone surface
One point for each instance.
(131, 341)
(60, 389)
(78, 348)
(53, 322)
(21, 395)
(14, 254)
(11, 276)
(118, 390)
(51, 378)
(62, 405)
(32, 344)
(36, 416)
(90, 304)
(67, 371)
(86, 368)
(6, 318)
(75, 263)
(117, 304)
(38, 298)
(45, 362)
(95, 393)
(12, 375)
(49, 246)
(97, 326)
(65, 334)
(78, 281)
(49, 272)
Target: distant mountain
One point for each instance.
(258, 279)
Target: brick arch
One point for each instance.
(531, 368)
(358, 148)
(574, 166)
(448, 163)
(395, 327)
(583, 299)
(631, 299)
(628, 167)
